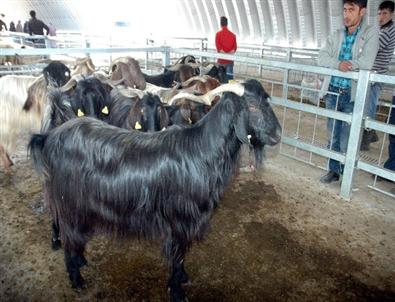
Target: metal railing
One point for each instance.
(284, 100)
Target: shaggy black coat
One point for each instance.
(165, 79)
(218, 72)
(162, 185)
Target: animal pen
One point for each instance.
(276, 236)
(295, 92)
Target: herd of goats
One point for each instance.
(134, 155)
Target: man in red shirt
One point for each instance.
(225, 42)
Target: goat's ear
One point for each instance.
(241, 128)
(163, 116)
(185, 111)
(135, 115)
(116, 73)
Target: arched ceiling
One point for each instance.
(298, 23)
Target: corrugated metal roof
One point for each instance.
(301, 23)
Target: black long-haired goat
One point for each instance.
(159, 186)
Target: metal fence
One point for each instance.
(298, 106)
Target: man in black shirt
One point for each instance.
(2, 23)
(36, 27)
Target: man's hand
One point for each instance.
(345, 66)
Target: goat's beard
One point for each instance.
(259, 152)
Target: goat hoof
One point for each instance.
(81, 261)
(177, 295)
(78, 283)
(56, 244)
(184, 279)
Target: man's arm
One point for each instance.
(3, 24)
(367, 52)
(218, 43)
(30, 29)
(328, 54)
(46, 28)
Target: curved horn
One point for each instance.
(197, 98)
(202, 79)
(90, 65)
(193, 65)
(209, 96)
(130, 92)
(71, 83)
(175, 67)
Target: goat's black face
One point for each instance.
(263, 125)
(91, 99)
(221, 74)
(56, 74)
(154, 117)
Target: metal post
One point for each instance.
(166, 56)
(286, 75)
(147, 42)
(260, 65)
(355, 134)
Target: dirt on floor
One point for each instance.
(278, 235)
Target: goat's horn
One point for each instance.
(90, 65)
(72, 82)
(130, 92)
(193, 65)
(236, 88)
(209, 96)
(82, 60)
(197, 98)
(175, 67)
(202, 79)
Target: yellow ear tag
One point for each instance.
(80, 113)
(189, 120)
(105, 110)
(137, 126)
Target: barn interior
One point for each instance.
(278, 233)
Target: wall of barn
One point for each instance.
(297, 23)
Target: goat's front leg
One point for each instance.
(6, 160)
(56, 244)
(175, 253)
(72, 261)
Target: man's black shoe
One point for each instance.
(365, 141)
(330, 177)
(372, 136)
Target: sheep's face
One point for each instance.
(56, 74)
(263, 125)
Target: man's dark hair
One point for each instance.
(360, 3)
(224, 21)
(32, 14)
(387, 5)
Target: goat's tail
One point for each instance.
(36, 146)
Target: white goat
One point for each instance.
(13, 94)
